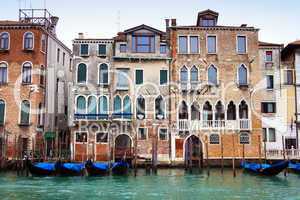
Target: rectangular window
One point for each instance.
(3, 74)
(81, 137)
(102, 137)
(84, 49)
(102, 49)
(64, 58)
(43, 45)
(163, 48)
(270, 81)
(269, 56)
(183, 44)
(211, 44)
(26, 74)
(58, 55)
(163, 77)
(272, 135)
(163, 134)
(208, 22)
(264, 134)
(143, 44)
(122, 79)
(139, 77)
(268, 107)
(142, 134)
(288, 78)
(123, 48)
(194, 44)
(241, 44)
(42, 76)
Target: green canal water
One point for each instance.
(167, 184)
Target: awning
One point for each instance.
(49, 135)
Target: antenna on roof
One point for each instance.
(45, 4)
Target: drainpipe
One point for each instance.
(296, 107)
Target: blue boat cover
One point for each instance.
(255, 166)
(77, 167)
(45, 166)
(120, 164)
(102, 166)
(295, 166)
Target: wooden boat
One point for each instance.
(265, 169)
(70, 169)
(96, 168)
(120, 168)
(42, 169)
(294, 167)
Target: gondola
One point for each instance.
(42, 169)
(120, 168)
(70, 169)
(294, 167)
(96, 168)
(265, 169)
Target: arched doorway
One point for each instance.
(193, 152)
(123, 148)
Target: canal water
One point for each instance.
(167, 184)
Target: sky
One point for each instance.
(278, 20)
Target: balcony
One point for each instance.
(195, 125)
(122, 116)
(91, 117)
(292, 154)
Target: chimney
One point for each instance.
(80, 36)
(173, 22)
(167, 23)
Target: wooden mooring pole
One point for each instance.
(207, 160)
(233, 157)
(283, 152)
(222, 155)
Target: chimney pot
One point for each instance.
(80, 35)
(173, 22)
(167, 23)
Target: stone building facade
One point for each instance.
(25, 55)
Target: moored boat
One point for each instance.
(265, 169)
(42, 169)
(120, 168)
(70, 169)
(294, 167)
(97, 168)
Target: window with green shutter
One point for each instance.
(102, 49)
(25, 112)
(139, 77)
(163, 77)
(81, 73)
(84, 49)
(2, 112)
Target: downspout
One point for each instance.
(296, 107)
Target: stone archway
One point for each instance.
(193, 151)
(123, 147)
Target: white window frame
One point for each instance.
(167, 139)
(84, 55)
(7, 71)
(238, 74)
(98, 53)
(249, 135)
(20, 111)
(136, 103)
(31, 75)
(167, 77)
(214, 143)
(270, 89)
(165, 110)
(188, 44)
(215, 35)
(146, 132)
(102, 132)
(135, 76)
(5, 108)
(87, 74)
(218, 81)
(8, 40)
(32, 40)
(87, 138)
(108, 74)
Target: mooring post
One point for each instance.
(222, 155)
(207, 160)
(283, 152)
(233, 156)
(259, 149)
(200, 155)
(135, 154)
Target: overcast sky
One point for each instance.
(278, 20)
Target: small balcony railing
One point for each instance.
(280, 154)
(91, 117)
(122, 116)
(193, 125)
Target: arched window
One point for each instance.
(212, 75)
(92, 107)
(2, 111)
(26, 73)
(28, 41)
(207, 111)
(140, 107)
(103, 107)
(243, 110)
(220, 112)
(103, 74)
(4, 41)
(117, 106)
(81, 105)
(81, 73)
(184, 74)
(25, 112)
(127, 107)
(194, 74)
(159, 108)
(231, 111)
(242, 75)
(195, 112)
(3, 73)
(183, 111)
(244, 138)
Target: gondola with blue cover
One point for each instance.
(265, 169)
(120, 168)
(96, 168)
(294, 167)
(42, 169)
(70, 169)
